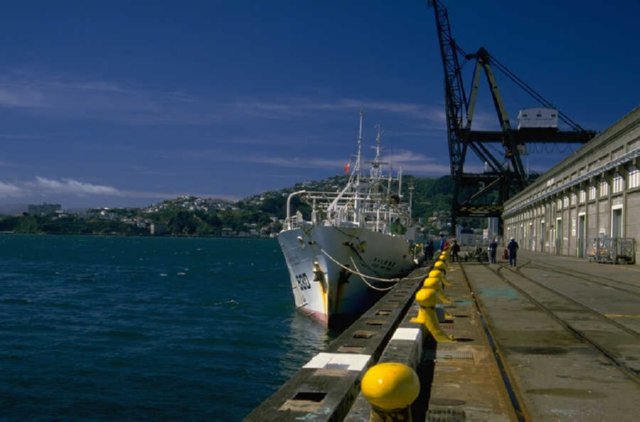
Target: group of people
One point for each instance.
(510, 251)
(443, 245)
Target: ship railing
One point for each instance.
(357, 208)
(291, 221)
(319, 200)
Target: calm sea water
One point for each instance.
(112, 328)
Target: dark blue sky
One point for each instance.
(125, 103)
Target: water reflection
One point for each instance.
(306, 339)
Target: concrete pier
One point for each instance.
(327, 386)
(554, 338)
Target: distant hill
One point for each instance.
(13, 209)
(257, 215)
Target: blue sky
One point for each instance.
(126, 103)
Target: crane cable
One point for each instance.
(529, 90)
(524, 86)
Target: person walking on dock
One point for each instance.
(493, 249)
(429, 250)
(455, 248)
(513, 251)
(444, 244)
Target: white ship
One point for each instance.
(355, 245)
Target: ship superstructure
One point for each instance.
(354, 245)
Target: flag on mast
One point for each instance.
(347, 168)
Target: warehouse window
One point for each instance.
(604, 188)
(583, 196)
(634, 178)
(592, 193)
(618, 183)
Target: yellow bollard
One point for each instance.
(435, 284)
(441, 265)
(427, 299)
(421, 318)
(390, 388)
(440, 275)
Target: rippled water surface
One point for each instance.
(112, 328)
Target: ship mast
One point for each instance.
(376, 164)
(358, 165)
(353, 183)
(359, 150)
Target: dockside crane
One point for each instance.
(483, 194)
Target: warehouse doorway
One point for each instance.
(582, 234)
(616, 222)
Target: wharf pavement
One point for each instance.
(566, 333)
(551, 339)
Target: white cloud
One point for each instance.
(20, 96)
(10, 190)
(305, 107)
(42, 188)
(417, 164)
(101, 100)
(296, 162)
(105, 100)
(410, 162)
(74, 187)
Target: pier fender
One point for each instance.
(390, 388)
(427, 299)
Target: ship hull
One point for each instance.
(337, 273)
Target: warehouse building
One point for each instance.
(589, 204)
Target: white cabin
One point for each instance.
(538, 118)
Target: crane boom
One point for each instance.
(483, 195)
(455, 99)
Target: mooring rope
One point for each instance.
(371, 286)
(364, 276)
(386, 280)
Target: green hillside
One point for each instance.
(258, 215)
